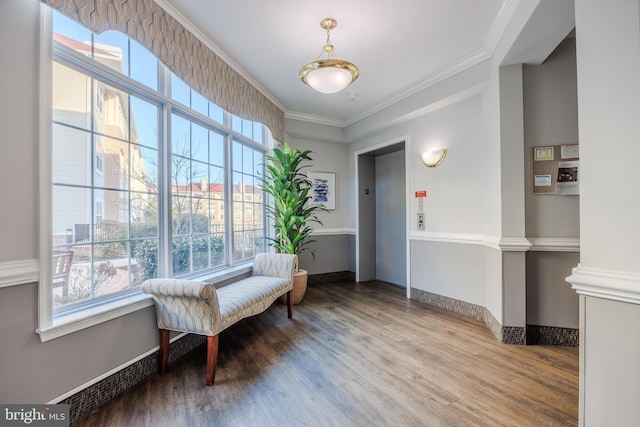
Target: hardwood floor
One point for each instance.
(357, 355)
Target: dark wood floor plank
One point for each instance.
(357, 355)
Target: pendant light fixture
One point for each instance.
(332, 74)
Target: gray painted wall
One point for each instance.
(19, 74)
(366, 193)
(32, 371)
(351, 250)
(551, 117)
(332, 254)
(512, 198)
(391, 230)
(449, 269)
(514, 292)
(550, 299)
(610, 373)
(36, 372)
(328, 157)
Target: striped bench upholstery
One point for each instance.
(199, 308)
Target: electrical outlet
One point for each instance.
(420, 221)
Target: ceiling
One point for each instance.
(400, 46)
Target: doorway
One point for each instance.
(381, 212)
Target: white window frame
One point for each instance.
(97, 312)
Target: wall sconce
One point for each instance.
(434, 158)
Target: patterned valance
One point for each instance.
(185, 55)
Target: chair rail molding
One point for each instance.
(514, 244)
(555, 244)
(609, 284)
(505, 244)
(459, 238)
(332, 231)
(14, 273)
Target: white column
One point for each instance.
(512, 242)
(608, 278)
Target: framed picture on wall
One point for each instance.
(542, 153)
(324, 188)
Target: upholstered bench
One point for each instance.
(200, 308)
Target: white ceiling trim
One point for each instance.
(500, 25)
(321, 120)
(463, 63)
(433, 79)
(497, 30)
(434, 106)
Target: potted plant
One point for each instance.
(291, 212)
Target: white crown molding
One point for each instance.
(171, 10)
(321, 120)
(555, 244)
(500, 25)
(434, 78)
(332, 231)
(434, 106)
(493, 38)
(497, 30)
(444, 73)
(608, 284)
(14, 273)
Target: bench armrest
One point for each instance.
(185, 305)
(178, 288)
(275, 265)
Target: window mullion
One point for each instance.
(228, 195)
(165, 256)
(92, 209)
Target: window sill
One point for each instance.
(91, 316)
(83, 319)
(221, 276)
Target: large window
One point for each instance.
(248, 214)
(149, 179)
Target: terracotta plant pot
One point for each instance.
(299, 287)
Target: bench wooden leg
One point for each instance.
(212, 359)
(289, 305)
(163, 359)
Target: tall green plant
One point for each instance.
(291, 212)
